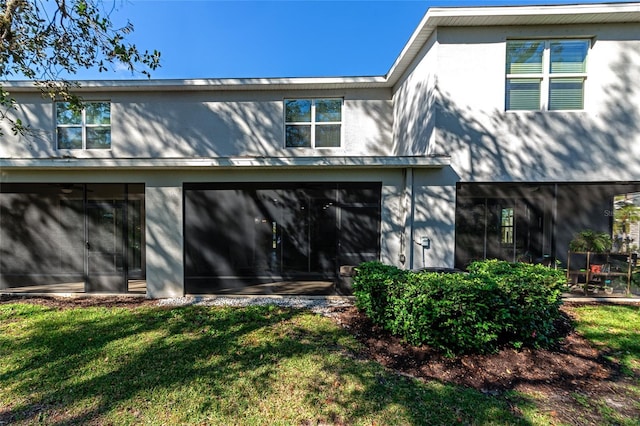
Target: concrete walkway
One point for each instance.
(634, 300)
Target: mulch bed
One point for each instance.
(557, 375)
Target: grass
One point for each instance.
(205, 365)
(614, 329)
(212, 365)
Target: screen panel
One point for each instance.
(239, 235)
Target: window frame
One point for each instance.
(507, 225)
(546, 76)
(83, 125)
(313, 123)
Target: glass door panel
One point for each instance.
(359, 234)
(135, 236)
(105, 247)
(294, 233)
(240, 235)
(323, 236)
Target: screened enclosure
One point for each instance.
(240, 237)
(71, 237)
(535, 222)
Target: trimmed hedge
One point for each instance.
(371, 287)
(497, 303)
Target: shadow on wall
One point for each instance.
(379, 115)
(416, 123)
(252, 125)
(548, 146)
(200, 125)
(434, 217)
(212, 125)
(528, 147)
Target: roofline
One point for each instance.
(215, 84)
(505, 16)
(434, 18)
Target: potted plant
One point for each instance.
(590, 240)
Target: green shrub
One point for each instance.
(447, 311)
(371, 287)
(495, 304)
(531, 300)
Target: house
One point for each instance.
(498, 132)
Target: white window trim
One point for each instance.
(83, 126)
(313, 123)
(545, 76)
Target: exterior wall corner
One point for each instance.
(164, 235)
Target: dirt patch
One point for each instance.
(81, 301)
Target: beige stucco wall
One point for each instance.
(205, 124)
(487, 143)
(415, 95)
(432, 192)
(452, 102)
(434, 208)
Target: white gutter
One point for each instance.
(212, 84)
(229, 162)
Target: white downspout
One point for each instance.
(409, 213)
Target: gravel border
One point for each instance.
(319, 305)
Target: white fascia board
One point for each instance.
(227, 163)
(212, 84)
(500, 12)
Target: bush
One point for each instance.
(446, 311)
(496, 303)
(371, 288)
(531, 300)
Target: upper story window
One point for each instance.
(87, 127)
(546, 74)
(313, 123)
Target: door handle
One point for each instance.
(88, 245)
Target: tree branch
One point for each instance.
(7, 19)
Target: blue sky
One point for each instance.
(235, 39)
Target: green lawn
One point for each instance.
(614, 329)
(211, 365)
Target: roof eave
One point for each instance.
(434, 18)
(508, 16)
(215, 84)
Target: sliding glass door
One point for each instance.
(244, 234)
